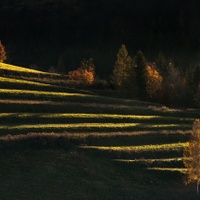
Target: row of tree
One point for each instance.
(160, 81)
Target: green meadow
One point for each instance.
(57, 142)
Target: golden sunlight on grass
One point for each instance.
(19, 81)
(175, 159)
(89, 126)
(35, 92)
(101, 116)
(157, 147)
(5, 66)
(78, 125)
(181, 170)
(114, 116)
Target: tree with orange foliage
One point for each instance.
(85, 73)
(153, 82)
(75, 75)
(88, 76)
(2, 53)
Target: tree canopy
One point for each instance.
(123, 69)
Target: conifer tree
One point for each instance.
(2, 53)
(141, 65)
(161, 64)
(193, 77)
(123, 73)
(192, 155)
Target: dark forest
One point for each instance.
(42, 33)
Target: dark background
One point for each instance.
(42, 32)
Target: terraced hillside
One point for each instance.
(58, 143)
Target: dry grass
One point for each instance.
(161, 147)
(20, 81)
(56, 142)
(15, 68)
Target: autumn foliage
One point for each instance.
(153, 82)
(2, 53)
(85, 73)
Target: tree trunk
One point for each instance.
(197, 187)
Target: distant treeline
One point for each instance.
(45, 33)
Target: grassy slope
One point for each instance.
(67, 144)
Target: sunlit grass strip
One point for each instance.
(157, 147)
(20, 81)
(20, 69)
(177, 159)
(111, 116)
(35, 92)
(93, 116)
(79, 115)
(82, 115)
(181, 170)
(90, 125)
(78, 125)
(33, 102)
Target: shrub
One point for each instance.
(85, 73)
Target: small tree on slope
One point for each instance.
(2, 53)
(192, 155)
(123, 73)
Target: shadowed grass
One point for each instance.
(20, 84)
(58, 174)
(64, 96)
(95, 138)
(57, 143)
(87, 105)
